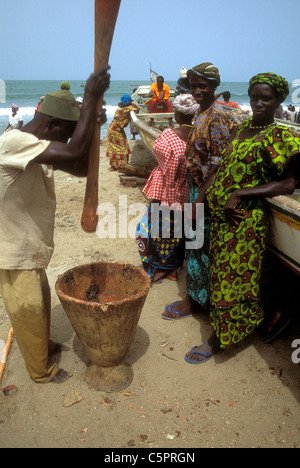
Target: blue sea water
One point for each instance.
(26, 95)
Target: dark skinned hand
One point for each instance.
(231, 211)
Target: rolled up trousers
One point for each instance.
(27, 300)
(153, 109)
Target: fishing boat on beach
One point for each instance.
(141, 96)
(284, 239)
(284, 211)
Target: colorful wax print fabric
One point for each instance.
(117, 143)
(236, 252)
(209, 137)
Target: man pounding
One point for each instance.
(27, 213)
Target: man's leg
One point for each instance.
(152, 106)
(168, 107)
(26, 296)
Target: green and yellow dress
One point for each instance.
(236, 252)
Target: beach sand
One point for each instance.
(245, 397)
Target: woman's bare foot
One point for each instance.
(158, 276)
(173, 276)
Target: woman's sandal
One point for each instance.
(208, 356)
(180, 315)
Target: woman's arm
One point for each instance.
(202, 194)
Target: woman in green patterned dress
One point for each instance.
(255, 165)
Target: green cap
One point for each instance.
(60, 104)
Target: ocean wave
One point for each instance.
(110, 110)
(22, 111)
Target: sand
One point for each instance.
(245, 397)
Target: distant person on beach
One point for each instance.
(27, 212)
(279, 113)
(211, 133)
(226, 96)
(167, 186)
(80, 101)
(290, 114)
(256, 165)
(183, 84)
(133, 129)
(39, 103)
(160, 97)
(15, 119)
(117, 143)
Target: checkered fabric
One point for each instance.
(168, 181)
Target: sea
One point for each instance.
(26, 95)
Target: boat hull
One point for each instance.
(284, 239)
(147, 134)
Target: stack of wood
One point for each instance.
(130, 174)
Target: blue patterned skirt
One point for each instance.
(160, 254)
(198, 277)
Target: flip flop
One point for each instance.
(278, 328)
(200, 353)
(180, 315)
(168, 307)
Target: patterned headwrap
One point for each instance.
(277, 82)
(186, 104)
(126, 100)
(205, 70)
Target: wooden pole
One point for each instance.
(5, 353)
(106, 13)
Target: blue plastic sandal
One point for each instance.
(180, 315)
(199, 353)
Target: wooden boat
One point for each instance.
(284, 239)
(284, 211)
(141, 95)
(147, 133)
(293, 126)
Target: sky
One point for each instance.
(54, 40)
